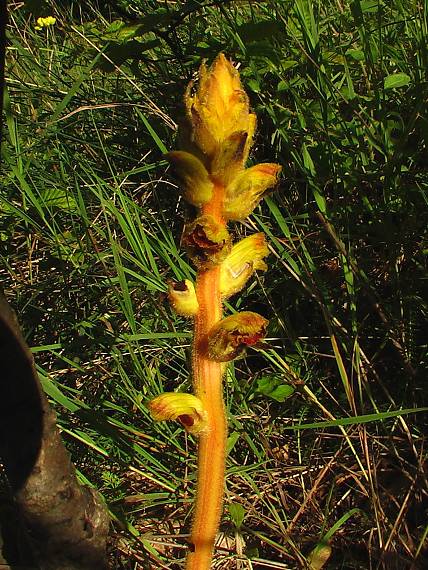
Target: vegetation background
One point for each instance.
(326, 450)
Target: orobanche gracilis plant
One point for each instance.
(215, 141)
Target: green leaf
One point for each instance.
(254, 85)
(237, 514)
(274, 388)
(319, 556)
(231, 441)
(320, 200)
(307, 160)
(353, 420)
(55, 393)
(356, 54)
(369, 6)
(68, 248)
(58, 198)
(396, 80)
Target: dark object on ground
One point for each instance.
(67, 524)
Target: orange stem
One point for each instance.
(207, 378)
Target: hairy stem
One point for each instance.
(207, 378)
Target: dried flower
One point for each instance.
(207, 241)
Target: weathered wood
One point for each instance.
(67, 522)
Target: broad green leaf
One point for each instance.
(369, 6)
(231, 441)
(237, 514)
(356, 54)
(396, 80)
(58, 198)
(274, 387)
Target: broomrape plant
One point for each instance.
(215, 142)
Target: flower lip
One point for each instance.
(247, 189)
(192, 176)
(186, 420)
(252, 339)
(185, 408)
(179, 286)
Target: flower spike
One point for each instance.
(186, 408)
(219, 107)
(232, 335)
(215, 140)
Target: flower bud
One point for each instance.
(247, 189)
(182, 297)
(229, 337)
(193, 177)
(186, 408)
(207, 242)
(219, 122)
(245, 257)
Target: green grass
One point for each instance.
(90, 226)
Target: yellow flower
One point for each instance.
(245, 257)
(229, 337)
(186, 408)
(219, 109)
(195, 183)
(248, 188)
(44, 22)
(182, 297)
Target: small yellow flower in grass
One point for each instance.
(207, 242)
(182, 297)
(44, 22)
(186, 408)
(232, 335)
(195, 183)
(245, 257)
(248, 188)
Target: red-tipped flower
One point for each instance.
(232, 335)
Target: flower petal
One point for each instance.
(228, 161)
(229, 337)
(245, 257)
(196, 185)
(186, 408)
(247, 189)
